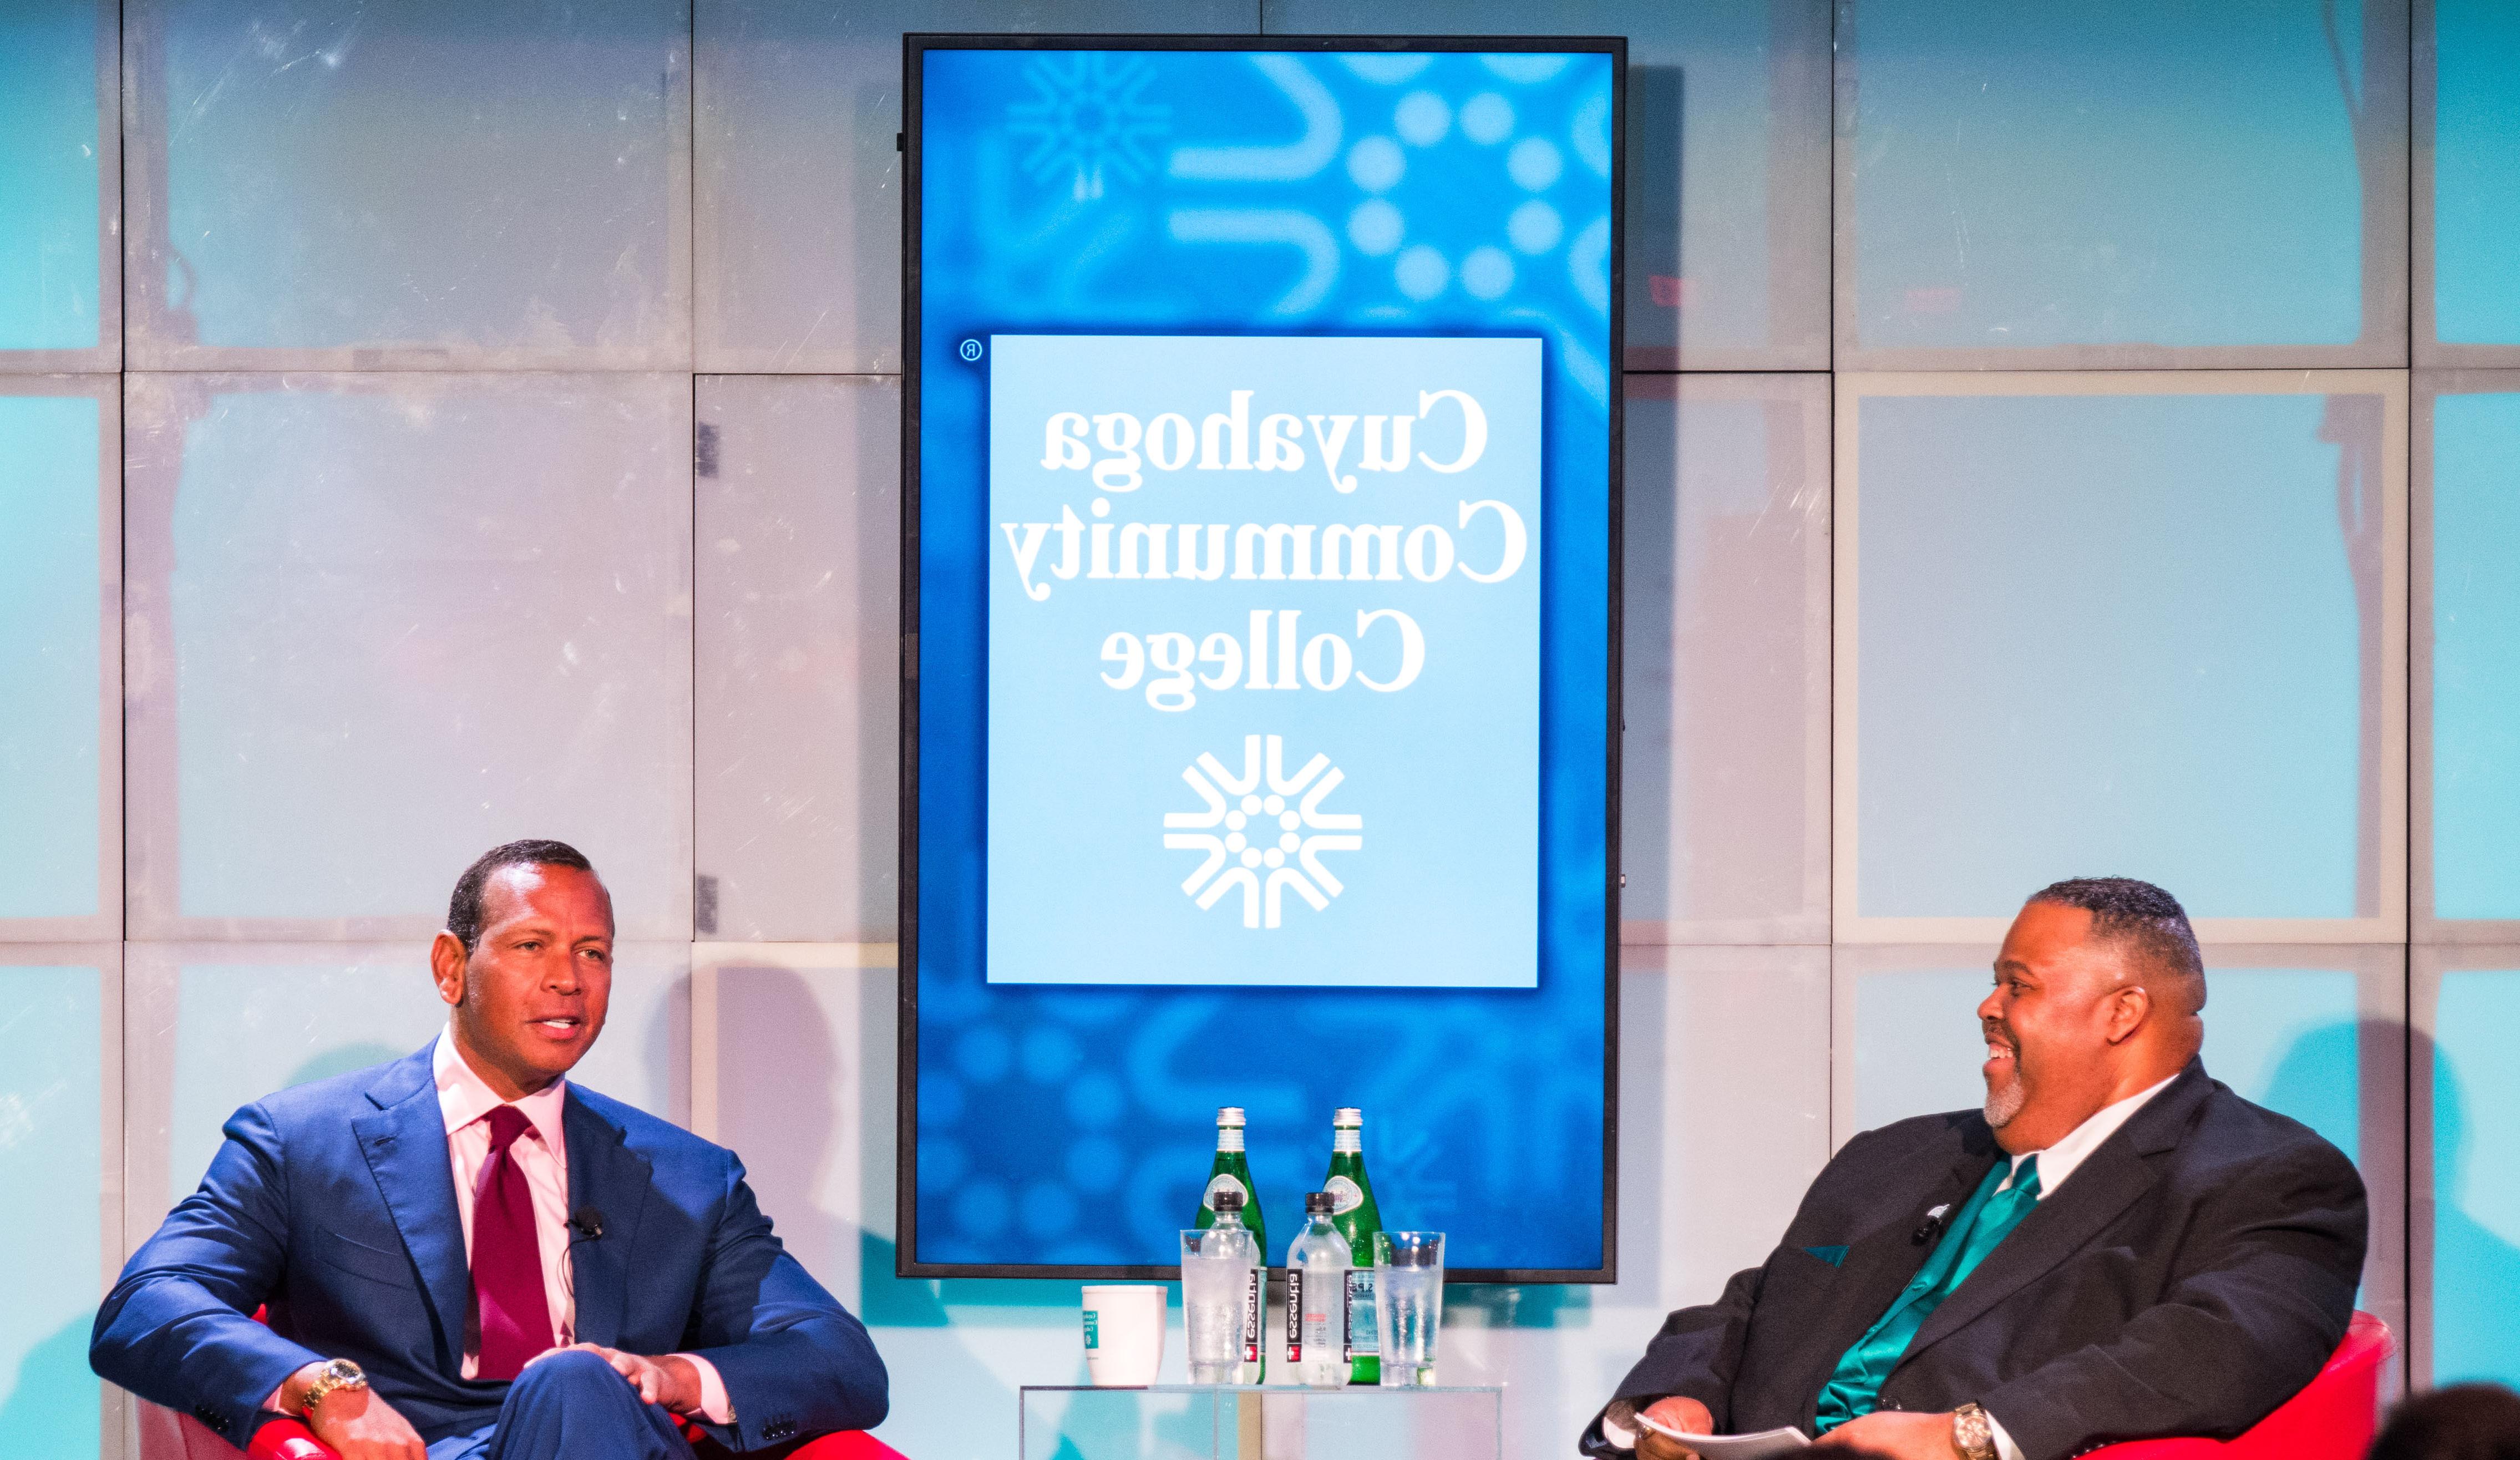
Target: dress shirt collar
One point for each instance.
(464, 1097)
(2060, 1160)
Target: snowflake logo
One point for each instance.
(1086, 119)
(1291, 859)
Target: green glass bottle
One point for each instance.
(1231, 1171)
(1357, 1218)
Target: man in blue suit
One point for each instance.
(465, 1257)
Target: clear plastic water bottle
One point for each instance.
(1316, 1269)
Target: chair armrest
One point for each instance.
(287, 1439)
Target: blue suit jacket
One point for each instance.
(334, 1204)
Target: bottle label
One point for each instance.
(1294, 1312)
(1346, 1194)
(1093, 1338)
(1361, 1336)
(1251, 1312)
(1225, 1181)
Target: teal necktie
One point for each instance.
(1855, 1387)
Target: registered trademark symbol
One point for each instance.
(970, 350)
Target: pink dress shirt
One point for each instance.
(465, 1099)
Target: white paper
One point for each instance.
(1759, 1446)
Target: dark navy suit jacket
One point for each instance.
(2196, 1271)
(334, 1204)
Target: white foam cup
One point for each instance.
(1124, 1332)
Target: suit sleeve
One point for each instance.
(178, 1327)
(795, 1361)
(2250, 1319)
(1695, 1355)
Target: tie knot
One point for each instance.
(2025, 1177)
(507, 1123)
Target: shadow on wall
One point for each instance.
(2475, 1270)
(35, 1422)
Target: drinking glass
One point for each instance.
(1216, 1276)
(1407, 1304)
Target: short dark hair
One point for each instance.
(2126, 910)
(464, 909)
(2463, 1422)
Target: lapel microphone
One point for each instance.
(1932, 1224)
(587, 1223)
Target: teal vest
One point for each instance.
(1855, 1387)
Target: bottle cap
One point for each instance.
(1228, 1199)
(1349, 1115)
(1228, 1114)
(1320, 1204)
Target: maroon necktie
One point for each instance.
(515, 1318)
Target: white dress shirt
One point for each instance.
(2055, 1164)
(465, 1100)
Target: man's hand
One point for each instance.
(362, 1427)
(1679, 1413)
(670, 1382)
(1899, 1434)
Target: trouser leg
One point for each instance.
(572, 1407)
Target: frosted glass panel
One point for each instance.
(799, 186)
(394, 621)
(52, 647)
(798, 781)
(2476, 656)
(2144, 173)
(410, 183)
(2129, 634)
(218, 1028)
(2476, 1186)
(1917, 1043)
(1723, 782)
(1728, 162)
(2476, 172)
(53, 273)
(52, 1163)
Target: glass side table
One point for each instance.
(1274, 1421)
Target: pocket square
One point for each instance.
(1834, 1256)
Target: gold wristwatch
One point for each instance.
(336, 1373)
(1972, 1432)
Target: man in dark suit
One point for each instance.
(2115, 1247)
(466, 1258)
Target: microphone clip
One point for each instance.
(587, 1223)
(1931, 1226)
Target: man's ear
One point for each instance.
(447, 965)
(2129, 1008)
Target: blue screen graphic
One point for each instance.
(1411, 913)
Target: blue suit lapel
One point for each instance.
(604, 1174)
(404, 1141)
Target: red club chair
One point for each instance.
(288, 1439)
(2332, 1419)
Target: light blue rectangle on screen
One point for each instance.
(49, 275)
(51, 657)
(2154, 173)
(2476, 656)
(2476, 155)
(52, 1129)
(2116, 635)
(2476, 1186)
(1264, 685)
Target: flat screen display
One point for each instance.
(1260, 640)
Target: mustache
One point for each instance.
(1997, 1033)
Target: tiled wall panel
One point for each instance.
(2101, 186)
(382, 623)
(796, 787)
(61, 239)
(61, 657)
